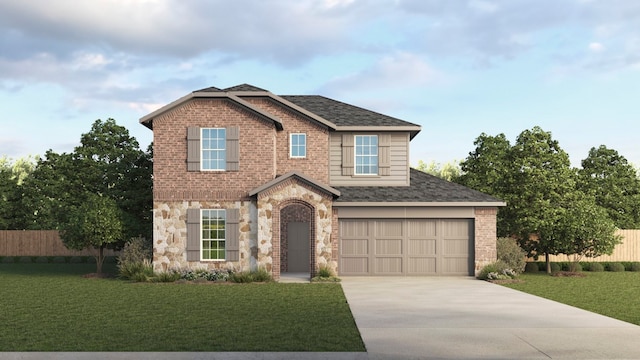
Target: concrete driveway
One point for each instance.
(464, 318)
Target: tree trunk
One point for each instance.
(546, 259)
(100, 260)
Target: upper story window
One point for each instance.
(366, 154)
(214, 154)
(298, 145)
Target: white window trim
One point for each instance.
(355, 156)
(291, 146)
(202, 149)
(202, 239)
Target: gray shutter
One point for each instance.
(347, 154)
(384, 154)
(193, 148)
(233, 148)
(232, 230)
(193, 235)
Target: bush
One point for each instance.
(615, 267)
(42, 260)
(511, 253)
(59, 260)
(596, 267)
(575, 267)
(635, 266)
(140, 271)
(531, 267)
(76, 260)
(498, 270)
(136, 250)
(555, 267)
(324, 271)
(166, 276)
(261, 275)
(7, 260)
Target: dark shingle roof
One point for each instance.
(343, 114)
(209, 89)
(423, 188)
(244, 87)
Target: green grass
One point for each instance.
(51, 307)
(613, 294)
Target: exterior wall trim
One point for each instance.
(419, 204)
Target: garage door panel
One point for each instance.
(422, 247)
(355, 247)
(421, 229)
(355, 266)
(422, 265)
(388, 266)
(406, 247)
(388, 246)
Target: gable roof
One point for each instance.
(299, 176)
(425, 190)
(333, 114)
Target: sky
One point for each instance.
(458, 68)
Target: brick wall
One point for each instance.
(485, 236)
(316, 164)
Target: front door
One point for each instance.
(298, 247)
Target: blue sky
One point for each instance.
(458, 68)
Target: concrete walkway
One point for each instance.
(464, 318)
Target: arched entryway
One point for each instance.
(297, 226)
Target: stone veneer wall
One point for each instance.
(485, 236)
(270, 204)
(170, 235)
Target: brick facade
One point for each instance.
(485, 236)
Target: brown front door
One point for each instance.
(298, 247)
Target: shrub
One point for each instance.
(497, 271)
(575, 267)
(136, 250)
(75, 260)
(260, 275)
(596, 267)
(7, 260)
(635, 266)
(511, 253)
(555, 267)
(325, 274)
(24, 259)
(615, 267)
(140, 271)
(59, 260)
(42, 260)
(531, 267)
(166, 276)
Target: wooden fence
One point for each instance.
(629, 250)
(39, 243)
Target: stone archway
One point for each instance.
(297, 229)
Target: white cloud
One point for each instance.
(596, 47)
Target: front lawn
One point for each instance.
(51, 307)
(613, 294)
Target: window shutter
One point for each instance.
(233, 148)
(232, 240)
(347, 154)
(193, 148)
(193, 234)
(384, 154)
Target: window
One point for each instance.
(298, 145)
(366, 154)
(213, 149)
(213, 225)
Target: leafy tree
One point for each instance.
(8, 196)
(94, 224)
(614, 183)
(50, 191)
(539, 182)
(448, 171)
(112, 164)
(486, 169)
(586, 229)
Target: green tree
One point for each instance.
(111, 163)
(8, 196)
(449, 171)
(94, 224)
(539, 182)
(586, 228)
(486, 169)
(614, 183)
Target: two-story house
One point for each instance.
(244, 179)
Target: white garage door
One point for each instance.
(406, 247)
